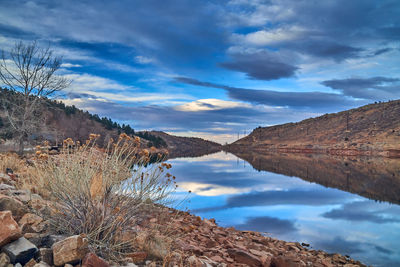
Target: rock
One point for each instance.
(20, 251)
(68, 265)
(46, 255)
(173, 259)
(241, 256)
(70, 250)
(4, 187)
(29, 223)
(138, 256)
(282, 261)
(194, 262)
(92, 260)
(9, 229)
(30, 263)
(41, 264)
(18, 265)
(16, 207)
(4, 260)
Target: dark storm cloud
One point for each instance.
(335, 51)
(365, 211)
(261, 66)
(367, 88)
(268, 225)
(174, 31)
(275, 98)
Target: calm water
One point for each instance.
(270, 197)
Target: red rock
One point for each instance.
(92, 260)
(70, 250)
(29, 223)
(138, 256)
(241, 256)
(282, 261)
(30, 263)
(9, 229)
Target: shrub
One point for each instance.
(102, 192)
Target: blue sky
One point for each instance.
(215, 68)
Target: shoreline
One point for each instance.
(168, 237)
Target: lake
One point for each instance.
(344, 205)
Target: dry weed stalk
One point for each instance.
(102, 192)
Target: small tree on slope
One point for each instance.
(28, 71)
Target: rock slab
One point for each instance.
(70, 250)
(20, 251)
(92, 260)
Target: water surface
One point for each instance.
(344, 205)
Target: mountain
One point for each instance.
(369, 130)
(187, 146)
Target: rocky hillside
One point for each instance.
(187, 146)
(61, 122)
(371, 129)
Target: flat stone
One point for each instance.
(92, 260)
(30, 263)
(70, 250)
(9, 229)
(20, 251)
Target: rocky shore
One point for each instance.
(166, 237)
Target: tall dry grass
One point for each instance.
(11, 161)
(102, 192)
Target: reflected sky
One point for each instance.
(235, 194)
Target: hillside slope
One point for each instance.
(368, 130)
(187, 146)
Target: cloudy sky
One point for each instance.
(215, 68)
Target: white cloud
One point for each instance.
(86, 82)
(143, 60)
(210, 104)
(70, 65)
(268, 37)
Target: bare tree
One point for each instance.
(28, 72)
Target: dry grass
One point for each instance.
(102, 192)
(11, 161)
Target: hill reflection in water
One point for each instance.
(333, 203)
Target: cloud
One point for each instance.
(268, 224)
(210, 104)
(260, 65)
(290, 197)
(365, 211)
(275, 98)
(70, 65)
(143, 60)
(367, 88)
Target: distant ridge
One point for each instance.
(373, 129)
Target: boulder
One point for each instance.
(70, 250)
(16, 207)
(30, 223)
(9, 229)
(241, 256)
(92, 260)
(20, 251)
(282, 261)
(4, 260)
(138, 256)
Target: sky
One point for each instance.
(215, 69)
